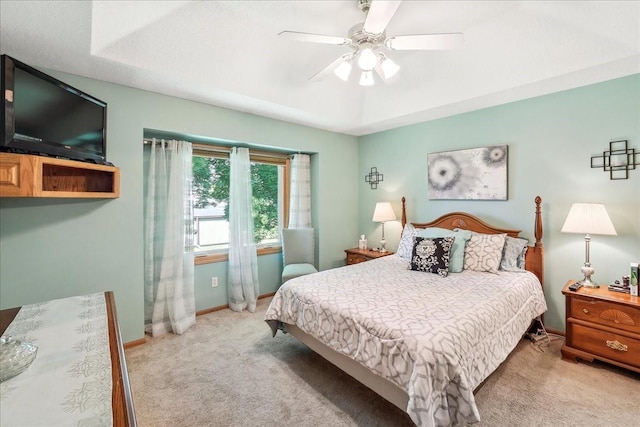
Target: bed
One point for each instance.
(422, 340)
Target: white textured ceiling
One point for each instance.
(228, 53)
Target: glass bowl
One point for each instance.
(15, 356)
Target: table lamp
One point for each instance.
(383, 213)
(588, 218)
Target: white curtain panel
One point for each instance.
(243, 258)
(168, 288)
(300, 199)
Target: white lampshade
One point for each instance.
(588, 218)
(367, 60)
(383, 212)
(343, 70)
(366, 79)
(389, 68)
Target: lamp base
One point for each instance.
(587, 270)
(587, 283)
(383, 243)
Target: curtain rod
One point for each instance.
(212, 148)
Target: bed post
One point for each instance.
(534, 258)
(538, 230)
(404, 213)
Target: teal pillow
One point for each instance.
(456, 261)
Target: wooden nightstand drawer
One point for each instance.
(606, 344)
(355, 259)
(356, 256)
(603, 325)
(606, 313)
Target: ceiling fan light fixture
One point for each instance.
(366, 79)
(343, 70)
(367, 60)
(369, 39)
(389, 68)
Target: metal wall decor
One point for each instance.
(618, 161)
(373, 178)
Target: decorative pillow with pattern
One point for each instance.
(513, 254)
(456, 261)
(483, 252)
(431, 255)
(406, 242)
(520, 263)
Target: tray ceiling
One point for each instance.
(228, 53)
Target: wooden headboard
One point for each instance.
(534, 261)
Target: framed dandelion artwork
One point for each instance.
(473, 174)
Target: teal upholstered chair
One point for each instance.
(297, 252)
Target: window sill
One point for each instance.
(224, 256)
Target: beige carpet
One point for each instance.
(228, 371)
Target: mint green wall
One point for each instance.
(551, 140)
(57, 248)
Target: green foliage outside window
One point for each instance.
(211, 187)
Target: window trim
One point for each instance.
(258, 156)
(224, 256)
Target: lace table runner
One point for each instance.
(69, 382)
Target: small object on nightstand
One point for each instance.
(625, 281)
(575, 286)
(362, 243)
(617, 287)
(633, 280)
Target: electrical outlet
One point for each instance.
(214, 282)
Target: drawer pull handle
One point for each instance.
(585, 311)
(617, 345)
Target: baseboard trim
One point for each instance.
(141, 341)
(225, 306)
(135, 343)
(555, 331)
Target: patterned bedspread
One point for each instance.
(435, 337)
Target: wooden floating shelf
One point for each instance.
(25, 175)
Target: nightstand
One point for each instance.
(603, 325)
(355, 255)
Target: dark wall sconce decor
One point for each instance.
(618, 161)
(373, 178)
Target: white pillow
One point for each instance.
(405, 248)
(483, 252)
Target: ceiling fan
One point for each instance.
(369, 41)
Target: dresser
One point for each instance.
(355, 255)
(602, 325)
(79, 375)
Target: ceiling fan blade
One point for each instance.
(314, 38)
(425, 42)
(379, 14)
(329, 68)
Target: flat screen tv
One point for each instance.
(44, 116)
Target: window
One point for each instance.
(211, 171)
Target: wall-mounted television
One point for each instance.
(47, 117)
